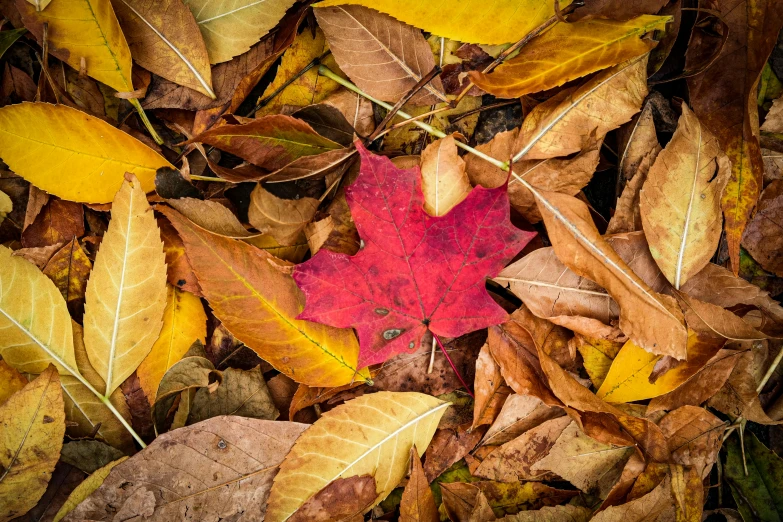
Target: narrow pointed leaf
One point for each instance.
(86, 488)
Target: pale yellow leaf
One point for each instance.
(443, 178)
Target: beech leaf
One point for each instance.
(428, 272)
(443, 179)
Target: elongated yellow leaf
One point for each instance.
(470, 21)
(184, 322)
(126, 294)
(567, 52)
(371, 435)
(73, 155)
(680, 200)
(84, 29)
(86, 488)
(231, 27)
(32, 426)
(35, 328)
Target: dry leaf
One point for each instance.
(11, 381)
(418, 503)
(86, 488)
(126, 295)
(655, 505)
(762, 234)
(680, 200)
(520, 413)
(344, 500)
(283, 219)
(211, 216)
(695, 436)
(242, 393)
(69, 269)
(443, 179)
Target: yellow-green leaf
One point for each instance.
(71, 154)
(371, 435)
(32, 426)
(86, 488)
(570, 51)
(84, 30)
(184, 322)
(470, 21)
(35, 328)
(126, 294)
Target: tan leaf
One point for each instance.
(344, 500)
(211, 216)
(418, 503)
(627, 215)
(695, 436)
(223, 467)
(655, 505)
(164, 39)
(520, 413)
(241, 392)
(565, 513)
(284, 219)
(443, 179)
(707, 317)
(356, 109)
(680, 200)
(86, 488)
(487, 382)
(380, 447)
(637, 139)
(652, 320)
(33, 426)
(762, 235)
(126, 295)
(448, 446)
(383, 56)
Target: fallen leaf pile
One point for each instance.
(352, 260)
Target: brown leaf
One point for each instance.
(418, 503)
(520, 413)
(284, 219)
(487, 383)
(680, 200)
(652, 320)
(565, 513)
(69, 269)
(627, 215)
(223, 467)
(656, 505)
(694, 436)
(345, 500)
(716, 321)
(763, 233)
(724, 99)
(447, 447)
(466, 502)
(383, 56)
(311, 167)
(282, 389)
(179, 273)
(211, 216)
(58, 222)
(35, 203)
(89, 455)
(241, 392)
(738, 396)
(637, 140)
(38, 256)
(356, 109)
(616, 9)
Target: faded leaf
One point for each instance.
(222, 466)
(418, 504)
(694, 436)
(381, 447)
(184, 322)
(80, 158)
(264, 317)
(565, 513)
(385, 57)
(242, 393)
(520, 413)
(344, 500)
(283, 219)
(126, 295)
(680, 200)
(443, 179)
(569, 51)
(89, 455)
(33, 426)
(86, 488)
(164, 39)
(655, 505)
(69, 269)
(211, 216)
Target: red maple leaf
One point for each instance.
(415, 272)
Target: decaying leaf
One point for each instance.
(380, 447)
(343, 499)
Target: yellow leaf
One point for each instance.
(11, 381)
(84, 29)
(184, 322)
(470, 21)
(680, 200)
(6, 205)
(570, 51)
(32, 426)
(86, 488)
(35, 328)
(126, 294)
(231, 27)
(597, 355)
(73, 155)
(629, 376)
(371, 435)
(443, 178)
(308, 88)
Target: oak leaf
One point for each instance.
(427, 272)
(98, 155)
(126, 295)
(33, 426)
(380, 447)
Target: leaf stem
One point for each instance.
(451, 363)
(147, 123)
(325, 71)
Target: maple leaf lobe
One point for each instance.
(415, 272)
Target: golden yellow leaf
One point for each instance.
(6, 205)
(470, 21)
(443, 178)
(371, 435)
(569, 51)
(184, 322)
(71, 154)
(11, 381)
(84, 29)
(680, 200)
(231, 27)
(597, 356)
(86, 488)
(308, 88)
(32, 426)
(35, 328)
(126, 294)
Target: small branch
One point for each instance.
(432, 356)
(147, 123)
(451, 363)
(105, 400)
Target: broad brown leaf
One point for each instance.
(694, 436)
(283, 219)
(344, 500)
(762, 235)
(520, 413)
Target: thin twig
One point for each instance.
(451, 363)
(432, 356)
